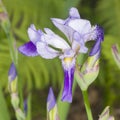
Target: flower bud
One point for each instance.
(12, 77)
(52, 112)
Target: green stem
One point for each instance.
(13, 49)
(6, 25)
(87, 105)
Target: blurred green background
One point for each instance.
(37, 74)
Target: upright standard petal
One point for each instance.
(73, 13)
(68, 31)
(63, 24)
(82, 26)
(28, 49)
(45, 51)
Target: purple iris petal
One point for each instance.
(12, 72)
(28, 49)
(96, 48)
(50, 100)
(100, 33)
(68, 82)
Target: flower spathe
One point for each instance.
(78, 31)
(105, 115)
(90, 69)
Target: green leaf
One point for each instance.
(4, 115)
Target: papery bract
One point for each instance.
(105, 115)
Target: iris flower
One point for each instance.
(49, 45)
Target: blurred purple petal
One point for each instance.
(68, 82)
(28, 49)
(50, 100)
(12, 74)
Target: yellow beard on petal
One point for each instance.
(68, 59)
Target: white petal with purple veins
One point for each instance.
(49, 31)
(91, 35)
(79, 39)
(80, 25)
(34, 35)
(68, 31)
(57, 20)
(74, 13)
(55, 41)
(45, 51)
